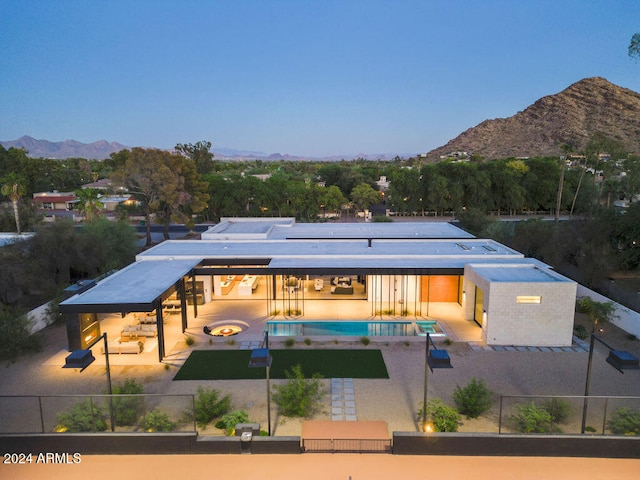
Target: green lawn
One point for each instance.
(233, 364)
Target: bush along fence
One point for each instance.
(562, 415)
(144, 413)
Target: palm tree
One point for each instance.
(566, 149)
(13, 187)
(89, 203)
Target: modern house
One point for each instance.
(402, 268)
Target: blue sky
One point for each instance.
(313, 78)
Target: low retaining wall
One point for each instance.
(143, 444)
(410, 443)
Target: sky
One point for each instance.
(300, 77)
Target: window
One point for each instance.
(528, 299)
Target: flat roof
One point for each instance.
(287, 228)
(319, 251)
(139, 283)
(515, 273)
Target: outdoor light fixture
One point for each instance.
(83, 358)
(261, 357)
(619, 359)
(432, 359)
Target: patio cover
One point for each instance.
(134, 288)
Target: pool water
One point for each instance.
(354, 329)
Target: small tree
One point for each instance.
(300, 396)
(474, 399)
(210, 405)
(443, 417)
(15, 334)
(13, 187)
(597, 312)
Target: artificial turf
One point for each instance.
(233, 364)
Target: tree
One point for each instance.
(167, 183)
(634, 46)
(13, 187)
(331, 199)
(200, 153)
(89, 203)
(597, 312)
(363, 196)
(566, 150)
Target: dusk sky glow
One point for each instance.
(312, 78)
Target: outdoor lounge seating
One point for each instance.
(342, 289)
(119, 347)
(135, 331)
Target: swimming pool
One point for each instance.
(353, 329)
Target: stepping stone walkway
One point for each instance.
(343, 400)
(250, 345)
(578, 346)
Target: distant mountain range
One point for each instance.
(573, 116)
(592, 105)
(102, 149)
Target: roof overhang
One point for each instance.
(135, 288)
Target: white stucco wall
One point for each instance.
(549, 323)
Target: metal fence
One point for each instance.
(564, 415)
(97, 413)
(345, 445)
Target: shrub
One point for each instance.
(15, 334)
(158, 421)
(581, 332)
(532, 419)
(443, 417)
(558, 409)
(289, 342)
(189, 341)
(625, 421)
(307, 341)
(474, 399)
(83, 417)
(365, 341)
(299, 396)
(229, 421)
(128, 409)
(210, 405)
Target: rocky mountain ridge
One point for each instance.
(589, 106)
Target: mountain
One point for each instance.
(68, 149)
(592, 105)
(102, 149)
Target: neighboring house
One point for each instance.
(110, 202)
(396, 267)
(55, 200)
(56, 204)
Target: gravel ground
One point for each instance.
(394, 400)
